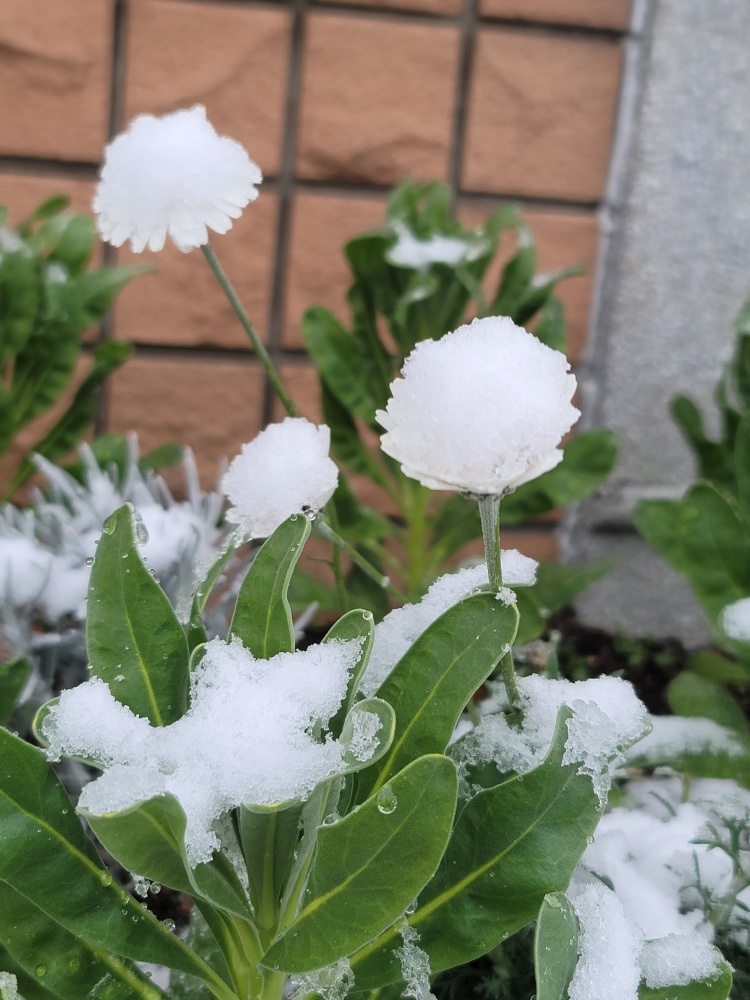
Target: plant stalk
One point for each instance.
(325, 529)
(239, 309)
(489, 512)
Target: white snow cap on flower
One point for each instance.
(284, 470)
(481, 410)
(172, 176)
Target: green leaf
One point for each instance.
(336, 355)
(516, 277)
(434, 680)
(716, 667)
(742, 465)
(691, 695)
(712, 460)
(70, 239)
(68, 966)
(75, 421)
(97, 290)
(555, 947)
(587, 461)
(262, 617)
(149, 837)
(13, 677)
(19, 301)
(49, 207)
(132, 632)
(356, 624)
(511, 845)
(47, 858)
(370, 866)
(346, 444)
(701, 537)
(550, 327)
(540, 292)
(717, 988)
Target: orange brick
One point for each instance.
(377, 99)
(318, 271)
(562, 238)
(591, 13)
(423, 6)
(232, 58)
(541, 115)
(532, 542)
(54, 77)
(182, 304)
(211, 405)
(23, 192)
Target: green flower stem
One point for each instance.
(416, 499)
(239, 309)
(489, 512)
(324, 528)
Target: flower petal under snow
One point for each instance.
(175, 177)
(480, 411)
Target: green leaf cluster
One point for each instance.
(49, 297)
(392, 307)
(301, 885)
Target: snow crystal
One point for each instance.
(364, 739)
(480, 411)
(415, 965)
(333, 982)
(673, 736)
(607, 716)
(8, 986)
(246, 737)
(678, 959)
(282, 471)
(410, 251)
(402, 626)
(735, 620)
(608, 948)
(172, 176)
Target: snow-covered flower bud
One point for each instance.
(284, 470)
(481, 410)
(172, 176)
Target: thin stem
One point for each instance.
(489, 512)
(239, 309)
(324, 528)
(415, 508)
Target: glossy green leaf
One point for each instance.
(97, 290)
(717, 667)
(516, 278)
(370, 866)
(712, 459)
(550, 327)
(70, 238)
(13, 677)
(346, 443)
(67, 966)
(555, 947)
(47, 857)
(149, 838)
(511, 845)
(356, 624)
(433, 682)
(691, 695)
(717, 988)
(262, 617)
(132, 632)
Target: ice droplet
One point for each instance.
(386, 800)
(169, 924)
(141, 531)
(331, 818)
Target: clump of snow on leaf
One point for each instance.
(172, 177)
(283, 471)
(735, 620)
(246, 738)
(333, 982)
(402, 626)
(608, 949)
(606, 717)
(480, 411)
(678, 959)
(672, 737)
(415, 965)
(411, 251)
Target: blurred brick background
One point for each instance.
(337, 101)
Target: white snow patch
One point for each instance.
(608, 947)
(415, 965)
(679, 959)
(673, 736)
(735, 620)
(246, 738)
(410, 251)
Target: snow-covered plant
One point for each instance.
(48, 547)
(48, 298)
(415, 278)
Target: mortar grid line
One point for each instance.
(467, 43)
(285, 189)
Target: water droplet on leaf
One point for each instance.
(386, 800)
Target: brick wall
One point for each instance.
(505, 99)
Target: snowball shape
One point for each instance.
(284, 470)
(480, 411)
(172, 176)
